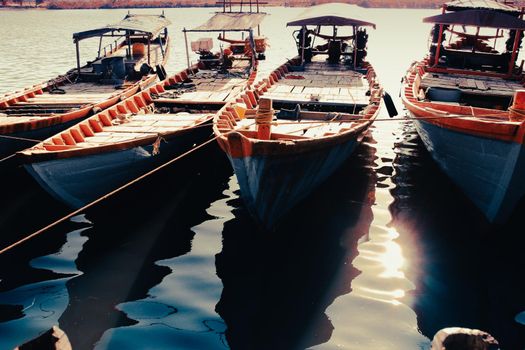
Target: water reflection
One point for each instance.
(178, 313)
(277, 286)
(470, 270)
(120, 261)
(36, 307)
(383, 258)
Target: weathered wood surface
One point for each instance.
(306, 128)
(324, 84)
(206, 87)
(138, 126)
(471, 85)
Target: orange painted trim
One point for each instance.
(500, 128)
(245, 143)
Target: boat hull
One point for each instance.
(272, 184)
(489, 171)
(78, 181)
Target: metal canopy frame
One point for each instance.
(325, 16)
(122, 29)
(481, 18)
(227, 6)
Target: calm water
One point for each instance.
(382, 256)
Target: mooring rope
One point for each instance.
(7, 158)
(264, 116)
(91, 204)
(333, 120)
(20, 138)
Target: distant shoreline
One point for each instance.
(21, 8)
(125, 4)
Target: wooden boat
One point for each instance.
(467, 100)
(121, 69)
(145, 130)
(327, 97)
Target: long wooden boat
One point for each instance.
(467, 100)
(120, 70)
(327, 97)
(145, 130)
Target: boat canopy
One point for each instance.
(230, 22)
(478, 18)
(151, 25)
(330, 15)
(462, 5)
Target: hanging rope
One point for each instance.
(91, 204)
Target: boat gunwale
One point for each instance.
(256, 147)
(83, 111)
(38, 153)
(510, 131)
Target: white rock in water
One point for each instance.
(456, 338)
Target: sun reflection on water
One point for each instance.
(392, 257)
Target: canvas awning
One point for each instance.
(462, 5)
(230, 22)
(478, 18)
(331, 15)
(150, 25)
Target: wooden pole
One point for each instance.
(438, 49)
(496, 38)
(161, 47)
(303, 39)
(78, 56)
(128, 35)
(187, 49)
(99, 47)
(355, 47)
(475, 40)
(149, 50)
(514, 51)
(263, 119)
(252, 44)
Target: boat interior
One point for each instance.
(216, 79)
(471, 65)
(136, 119)
(183, 101)
(119, 65)
(470, 90)
(45, 103)
(326, 90)
(322, 99)
(206, 88)
(322, 86)
(125, 63)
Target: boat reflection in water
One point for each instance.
(117, 259)
(471, 271)
(277, 287)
